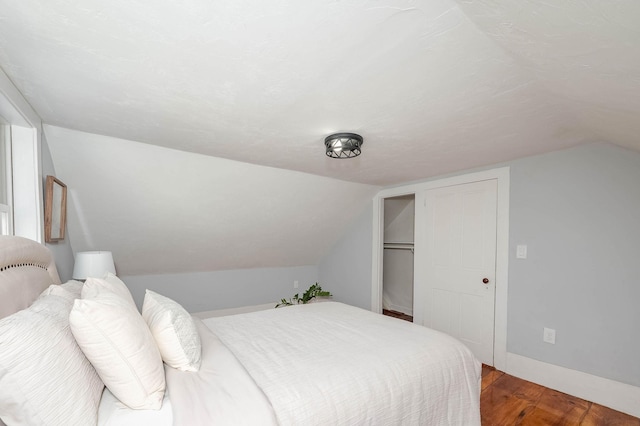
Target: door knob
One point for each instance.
(485, 280)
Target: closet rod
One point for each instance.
(397, 247)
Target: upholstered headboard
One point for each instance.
(26, 269)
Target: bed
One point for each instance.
(316, 364)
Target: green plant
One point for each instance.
(311, 293)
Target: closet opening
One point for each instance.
(397, 257)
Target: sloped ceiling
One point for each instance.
(165, 211)
(180, 89)
(585, 54)
(433, 86)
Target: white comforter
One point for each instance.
(220, 393)
(318, 364)
(333, 364)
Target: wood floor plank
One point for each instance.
(500, 408)
(497, 408)
(508, 401)
(521, 389)
(398, 315)
(489, 375)
(557, 408)
(599, 415)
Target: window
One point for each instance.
(6, 193)
(20, 172)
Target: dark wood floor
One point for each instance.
(507, 401)
(396, 314)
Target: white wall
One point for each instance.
(209, 232)
(62, 250)
(205, 291)
(399, 218)
(399, 213)
(397, 279)
(162, 211)
(346, 269)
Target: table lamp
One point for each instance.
(93, 264)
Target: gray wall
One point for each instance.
(578, 211)
(346, 270)
(205, 291)
(62, 250)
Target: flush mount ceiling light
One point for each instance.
(343, 145)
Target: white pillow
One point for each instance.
(117, 341)
(174, 331)
(94, 286)
(71, 289)
(44, 376)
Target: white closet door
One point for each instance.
(460, 264)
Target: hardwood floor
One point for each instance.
(507, 400)
(396, 314)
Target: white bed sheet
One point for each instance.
(316, 364)
(330, 363)
(220, 393)
(112, 412)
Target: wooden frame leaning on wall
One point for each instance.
(55, 210)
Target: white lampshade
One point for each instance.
(93, 264)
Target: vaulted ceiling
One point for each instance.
(433, 86)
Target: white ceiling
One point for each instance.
(433, 86)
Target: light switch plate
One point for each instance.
(521, 251)
(549, 335)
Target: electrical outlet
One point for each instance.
(549, 335)
(295, 284)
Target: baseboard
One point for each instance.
(612, 394)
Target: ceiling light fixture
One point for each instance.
(343, 145)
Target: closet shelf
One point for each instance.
(399, 246)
